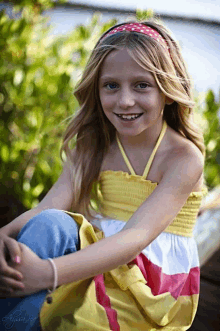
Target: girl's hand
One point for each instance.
(10, 278)
(37, 273)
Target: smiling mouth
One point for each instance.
(129, 117)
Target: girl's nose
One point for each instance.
(126, 99)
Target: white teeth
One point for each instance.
(129, 117)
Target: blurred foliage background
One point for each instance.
(37, 77)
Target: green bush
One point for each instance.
(37, 77)
(212, 140)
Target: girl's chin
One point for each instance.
(129, 133)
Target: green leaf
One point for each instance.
(142, 15)
(5, 153)
(18, 77)
(1, 98)
(38, 190)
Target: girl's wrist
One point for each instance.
(48, 275)
(55, 281)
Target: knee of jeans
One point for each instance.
(52, 217)
(51, 213)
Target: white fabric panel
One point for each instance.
(173, 253)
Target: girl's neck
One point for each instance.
(145, 140)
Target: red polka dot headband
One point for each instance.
(140, 28)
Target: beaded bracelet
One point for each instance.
(55, 283)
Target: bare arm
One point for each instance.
(59, 197)
(152, 217)
(182, 173)
(213, 203)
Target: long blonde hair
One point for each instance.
(94, 133)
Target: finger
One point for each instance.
(8, 284)
(5, 291)
(8, 271)
(11, 284)
(14, 250)
(12, 293)
(4, 295)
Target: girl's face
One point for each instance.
(129, 94)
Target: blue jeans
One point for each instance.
(51, 233)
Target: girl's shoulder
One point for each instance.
(174, 148)
(177, 145)
(179, 149)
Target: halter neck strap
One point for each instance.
(151, 158)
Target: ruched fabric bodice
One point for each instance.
(121, 194)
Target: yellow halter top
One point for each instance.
(122, 193)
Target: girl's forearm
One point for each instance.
(100, 257)
(213, 204)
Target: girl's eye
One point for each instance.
(142, 85)
(111, 86)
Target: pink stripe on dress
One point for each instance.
(104, 300)
(178, 284)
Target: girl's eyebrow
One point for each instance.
(106, 77)
(138, 77)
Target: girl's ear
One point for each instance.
(168, 101)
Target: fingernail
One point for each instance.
(17, 259)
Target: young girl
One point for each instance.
(139, 156)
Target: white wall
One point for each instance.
(209, 9)
(200, 43)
